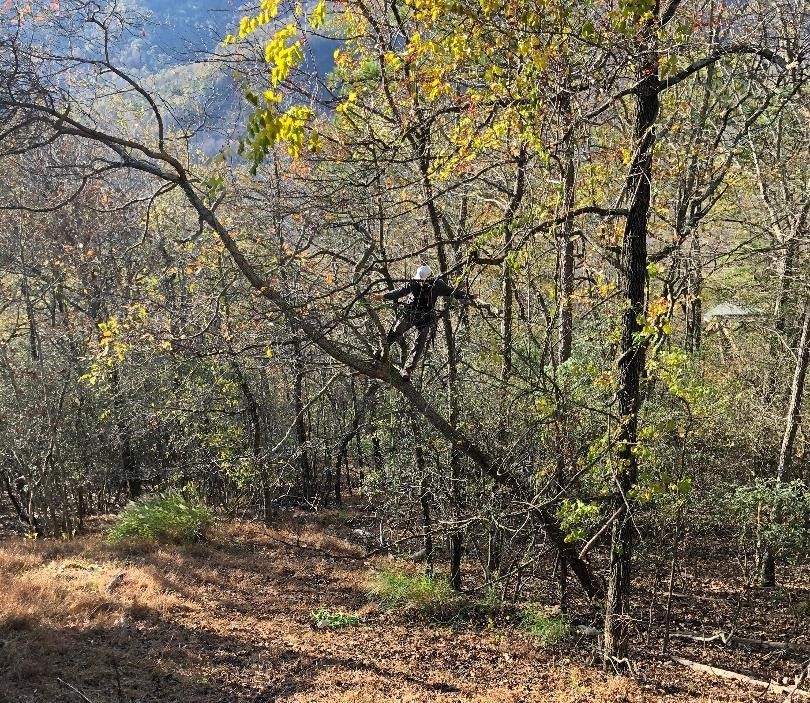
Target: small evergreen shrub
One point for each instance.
(178, 517)
(490, 599)
(771, 512)
(547, 629)
(334, 619)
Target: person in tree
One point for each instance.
(418, 311)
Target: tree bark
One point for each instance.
(307, 483)
(792, 422)
(631, 363)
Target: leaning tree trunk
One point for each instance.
(632, 360)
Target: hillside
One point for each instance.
(465, 351)
(231, 620)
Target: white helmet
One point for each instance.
(423, 273)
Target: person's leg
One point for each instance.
(400, 327)
(422, 334)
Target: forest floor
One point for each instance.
(230, 619)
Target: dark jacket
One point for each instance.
(422, 295)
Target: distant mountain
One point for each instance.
(174, 32)
(169, 52)
(181, 31)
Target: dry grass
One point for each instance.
(229, 620)
(53, 593)
(68, 584)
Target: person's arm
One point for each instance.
(398, 293)
(392, 294)
(442, 288)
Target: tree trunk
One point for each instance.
(338, 491)
(780, 317)
(130, 471)
(768, 574)
(565, 323)
(456, 540)
(631, 363)
(427, 525)
(796, 396)
(694, 290)
(692, 195)
(424, 495)
(507, 283)
(456, 537)
(33, 333)
(506, 337)
(300, 423)
(565, 248)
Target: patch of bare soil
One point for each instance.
(230, 620)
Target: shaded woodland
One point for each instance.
(623, 186)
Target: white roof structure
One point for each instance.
(730, 311)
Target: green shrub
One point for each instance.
(177, 517)
(395, 588)
(771, 512)
(548, 629)
(334, 619)
(490, 599)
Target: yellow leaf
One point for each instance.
(318, 15)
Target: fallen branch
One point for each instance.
(692, 596)
(730, 639)
(74, 689)
(742, 678)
